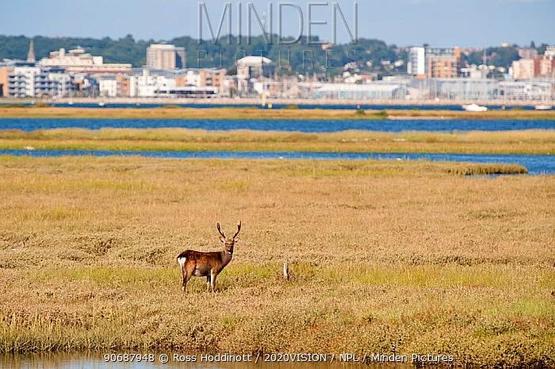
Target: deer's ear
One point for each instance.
(222, 239)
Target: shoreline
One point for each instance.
(241, 113)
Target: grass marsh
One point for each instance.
(382, 254)
(176, 139)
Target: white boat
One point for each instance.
(475, 108)
(101, 104)
(543, 107)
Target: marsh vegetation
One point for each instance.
(177, 139)
(383, 255)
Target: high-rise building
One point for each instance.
(443, 63)
(165, 57)
(417, 62)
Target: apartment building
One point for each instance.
(443, 63)
(202, 78)
(541, 67)
(165, 57)
(28, 81)
(434, 62)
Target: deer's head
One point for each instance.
(228, 242)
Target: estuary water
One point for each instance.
(326, 106)
(536, 164)
(309, 126)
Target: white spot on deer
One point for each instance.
(181, 261)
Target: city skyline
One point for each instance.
(402, 22)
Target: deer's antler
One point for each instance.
(220, 230)
(238, 230)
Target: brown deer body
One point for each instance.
(207, 264)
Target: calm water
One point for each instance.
(346, 106)
(536, 164)
(96, 361)
(283, 125)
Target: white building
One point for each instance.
(149, 85)
(524, 69)
(205, 92)
(250, 70)
(417, 62)
(108, 87)
(78, 61)
(21, 81)
(254, 67)
(475, 72)
(527, 90)
(369, 91)
(27, 81)
(192, 78)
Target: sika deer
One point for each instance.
(207, 264)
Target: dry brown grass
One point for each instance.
(253, 113)
(383, 254)
(175, 139)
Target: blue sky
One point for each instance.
(404, 22)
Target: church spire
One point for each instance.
(31, 55)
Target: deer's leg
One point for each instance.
(184, 284)
(208, 282)
(213, 281)
(186, 277)
(188, 273)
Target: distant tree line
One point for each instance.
(302, 57)
(366, 55)
(500, 56)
